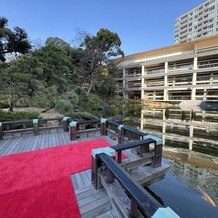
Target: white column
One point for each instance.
(125, 94)
(166, 82)
(194, 78)
(142, 82)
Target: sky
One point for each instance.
(141, 24)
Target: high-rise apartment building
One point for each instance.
(201, 21)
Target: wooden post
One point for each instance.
(133, 208)
(35, 127)
(65, 124)
(103, 127)
(157, 155)
(110, 177)
(73, 130)
(119, 157)
(1, 131)
(94, 171)
(157, 150)
(120, 134)
(96, 163)
(59, 122)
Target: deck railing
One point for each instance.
(28, 125)
(139, 197)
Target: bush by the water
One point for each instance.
(8, 116)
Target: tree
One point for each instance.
(20, 79)
(12, 41)
(92, 58)
(56, 65)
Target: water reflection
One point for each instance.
(196, 177)
(192, 174)
(193, 130)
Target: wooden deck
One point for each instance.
(29, 142)
(92, 203)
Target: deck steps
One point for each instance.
(92, 203)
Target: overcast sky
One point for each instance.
(141, 24)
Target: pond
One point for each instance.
(190, 141)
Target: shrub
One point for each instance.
(8, 116)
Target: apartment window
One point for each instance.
(210, 26)
(212, 8)
(195, 27)
(190, 29)
(190, 24)
(211, 14)
(211, 20)
(210, 32)
(189, 36)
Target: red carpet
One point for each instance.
(37, 183)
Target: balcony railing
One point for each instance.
(207, 65)
(149, 72)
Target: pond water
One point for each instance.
(190, 140)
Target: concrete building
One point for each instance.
(201, 21)
(186, 71)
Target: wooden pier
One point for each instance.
(143, 163)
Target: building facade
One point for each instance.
(201, 21)
(186, 71)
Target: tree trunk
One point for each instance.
(11, 107)
(90, 88)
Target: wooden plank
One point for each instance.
(117, 194)
(78, 180)
(86, 192)
(4, 145)
(38, 145)
(22, 144)
(96, 208)
(11, 147)
(106, 214)
(92, 198)
(14, 148)
(86, 180)
(35, 142)
(88, 173)
(9, 142)
(74, 182)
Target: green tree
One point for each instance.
(12, 40)
(20, 79)
(93, 58)
(56, 66)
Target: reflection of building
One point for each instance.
(198, 177)
(194, 130)
(187, 71)
(199, 22)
